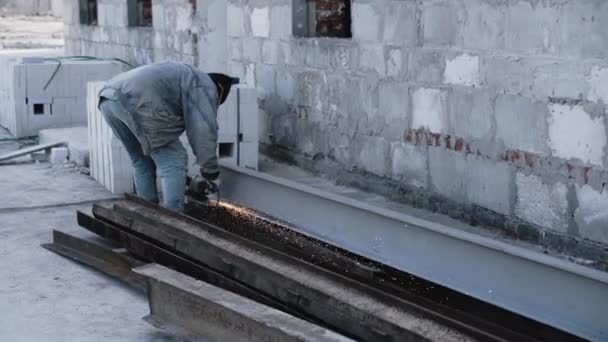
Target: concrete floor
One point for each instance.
(43, 296)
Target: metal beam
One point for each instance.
(197, 310)
(545, 288)
(468, 311)
(153, 253)
(347, 308)
(102, 258)
(30, 150)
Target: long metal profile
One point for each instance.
(197, 311)
(550, 290)
(340, 304)
(153, 253)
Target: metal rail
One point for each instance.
(541, 287)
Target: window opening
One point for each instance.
(322, 18)
(88, 12)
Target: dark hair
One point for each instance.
(223, 84)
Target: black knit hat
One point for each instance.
(223, 84)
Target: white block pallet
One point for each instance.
(238, 120)
(7, 60)
(62, 104)
(109, 162)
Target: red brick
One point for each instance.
(333, 18)
(513, 156)
(586, 174)
(571, 170)
(436, 138)
(408, 136)
(459, 144)
(448, 142)
(531, 159)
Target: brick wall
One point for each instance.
(496, 106)
(171, 36)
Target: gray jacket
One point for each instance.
(163, 100)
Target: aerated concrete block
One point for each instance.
(574, 134)
(521, 123)
(448, 173)
(429, 110)
(281, 22)
(598, 82)
(489, 184)
(409, 164)
(367, 21)
(484, 26)
(400, 24)
(248, 114)
(542, 204)
(462, 70)
(471, 112)
(440, 22)
(532, 28)
(227, 119)
(109, 161)
(55, 100)
(249, 155)
(260, 22)
(59, 155)
(394, 109)
(591, 216)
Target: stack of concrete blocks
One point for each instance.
(62, 103)
(238, 135)
(249, 136)
(109, 162)
(7, 60)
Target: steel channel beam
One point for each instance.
(346, 308)
(197, 311)
(468, 311)
(156, 254)
(471, 317)
(102, 258)
(553, 291)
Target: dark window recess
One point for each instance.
(88, 12)
(322, 18)
(38, 108)
(226, 150)
(140, 12)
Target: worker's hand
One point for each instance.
(212, 182)
(205, 184)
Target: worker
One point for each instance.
(148, 109)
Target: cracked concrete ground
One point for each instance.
(43, 296)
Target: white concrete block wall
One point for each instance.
(109, 162)
(429, 110)
(483, 78)
(63, 101)
(586, 135)
(248, 127)
(8, 83)
(463, 70)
